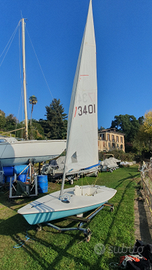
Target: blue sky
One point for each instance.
(123, 30)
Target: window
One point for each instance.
(117, 138)
(113, 145)
(102, 136)
(121, 139)
(108, 136)
(113, 138)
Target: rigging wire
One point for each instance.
(6, 49)
(4, 53)
(39, 64)
(42, 70)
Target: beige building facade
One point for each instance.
(110, 139)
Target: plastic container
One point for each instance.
(8, 171)
(19, 168)
(42, 181)
(22, 178)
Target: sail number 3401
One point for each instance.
(86, 109)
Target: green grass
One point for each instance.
(49, 249)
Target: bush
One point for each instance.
(119, 154)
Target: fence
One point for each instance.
(146, 183)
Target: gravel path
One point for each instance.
(143, 219)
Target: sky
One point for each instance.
(54, 30)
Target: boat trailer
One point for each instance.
(87, 232)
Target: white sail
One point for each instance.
(82, 136)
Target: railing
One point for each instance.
(146, 183)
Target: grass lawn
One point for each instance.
(112, 232)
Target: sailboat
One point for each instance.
(14, 152)
(82, 143)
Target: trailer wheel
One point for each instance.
(38, 228)
(111, 208)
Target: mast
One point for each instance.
(24, 79)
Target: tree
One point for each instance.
(11, 122)
(143, 139)
(148, 124)
(37, 130)
(33, 101)
(129, 125)
(141, 120)
(101, 128)
(2, 120)
(55, 127)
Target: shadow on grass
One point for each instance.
(126, 178)
(18, 230)
(116, 258)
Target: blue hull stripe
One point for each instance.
(48, 216)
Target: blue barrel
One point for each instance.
(8, 171)
(42, 181)
(22, 178)
(19, 168)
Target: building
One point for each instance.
(109, 139)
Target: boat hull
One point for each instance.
(20, 152)
(33, 219)
(74, 201)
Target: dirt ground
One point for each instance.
(143, 219)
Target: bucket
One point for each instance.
(22, 178)
(19, 168)
(42, 183)
(8, 171)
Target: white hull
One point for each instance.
(51, 207)
(20, 152)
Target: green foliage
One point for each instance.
(11, 122)
(33, 100)
(143, 140)
(7, 123)
(119, 154)
(55, 127)
(127, 124)
(141, 120)
(2, 120)
(36, 131)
